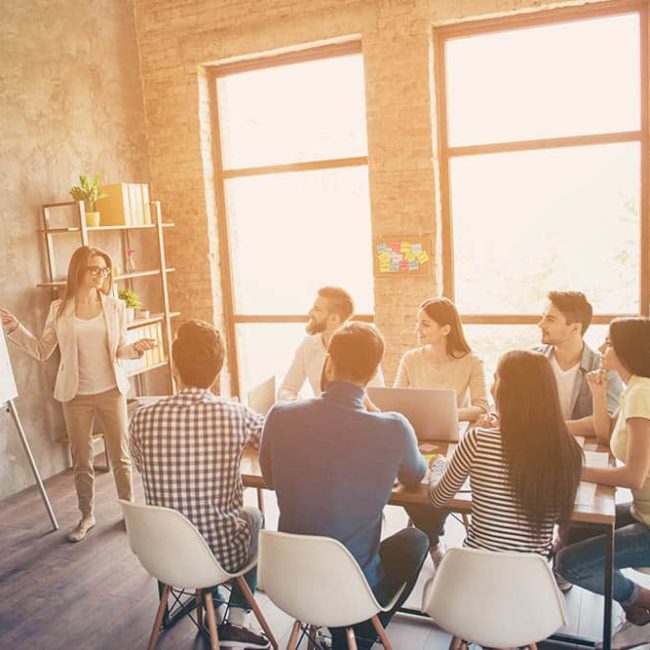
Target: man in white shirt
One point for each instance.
(564, 323)
(332, 308)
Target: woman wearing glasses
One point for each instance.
(89, 326)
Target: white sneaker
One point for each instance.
(437, 552)
(628, 635)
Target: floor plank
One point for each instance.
(95, 594)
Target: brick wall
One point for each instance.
(176, 38)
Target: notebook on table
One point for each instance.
(431, 411)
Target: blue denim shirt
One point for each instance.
(583, 403)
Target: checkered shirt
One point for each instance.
(188, 448)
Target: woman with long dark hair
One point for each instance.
(524, 474)
(444, 359)
(626, 350)
(89, 326)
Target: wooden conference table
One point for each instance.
(597, 509)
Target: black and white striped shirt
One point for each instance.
(188, 448)
(498, 522)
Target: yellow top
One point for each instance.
(635, 403)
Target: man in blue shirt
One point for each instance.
(333, 464)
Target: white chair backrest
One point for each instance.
(170, 548)
(314, 579)
(495, 599)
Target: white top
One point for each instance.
(307, 364)
(566, 385)
(96, 373)
(465, 375)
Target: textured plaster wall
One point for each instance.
(70, 102)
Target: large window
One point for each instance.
(292, 185)
(543, 147)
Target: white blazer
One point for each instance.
(60, 330)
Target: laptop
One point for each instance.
(262, 397)
(432, 411)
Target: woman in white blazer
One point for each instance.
(89, 326)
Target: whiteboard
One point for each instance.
(7, 383)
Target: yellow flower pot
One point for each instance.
(92, 219)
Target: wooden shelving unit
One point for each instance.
(161, 269)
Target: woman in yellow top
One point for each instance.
(89, 327)
(627, 352)
(444, 359)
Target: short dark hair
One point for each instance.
(198, 353)
(630, 337)
(356, 349)
(339, 300)
(574, 306)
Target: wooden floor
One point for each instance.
(95, 594)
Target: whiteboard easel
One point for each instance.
(8, 392)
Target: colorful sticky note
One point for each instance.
(395, 246)
(409, 257)
(414, 266)
(416, 248)
(384, 258)
(423, 257)
(405, 247)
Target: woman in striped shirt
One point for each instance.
(524, 474)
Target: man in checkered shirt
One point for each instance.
(188, 448)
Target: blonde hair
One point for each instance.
(78, 267)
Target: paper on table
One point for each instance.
(596, 458)
(587, 491)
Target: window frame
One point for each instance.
(443, 34)
(232, 318)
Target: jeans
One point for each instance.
(582, 561)
(429, 520)
(402, 556)
(255, 520)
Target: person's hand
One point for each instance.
(597, 381)
(488, 421)
(142, 345)
(9, 321)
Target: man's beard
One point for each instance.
(315, 326)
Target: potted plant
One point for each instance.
(88, 192)
(132, 301)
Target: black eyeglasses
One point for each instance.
(99, 270)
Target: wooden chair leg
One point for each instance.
(381, 632)
(466, 523)
(153, 639)
(199, 608)
(293, 639)
(311, 635)
(256, 609)
(212, 621)
(260, 500)
(352, 640)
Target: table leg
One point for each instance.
(609, 588)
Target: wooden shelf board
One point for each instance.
(154, 318)
(124, 276)
(67, 229)
(162, 364)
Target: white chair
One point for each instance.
(317, 581)
(494, 599)
(175, 553)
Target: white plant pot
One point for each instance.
(130, 314)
